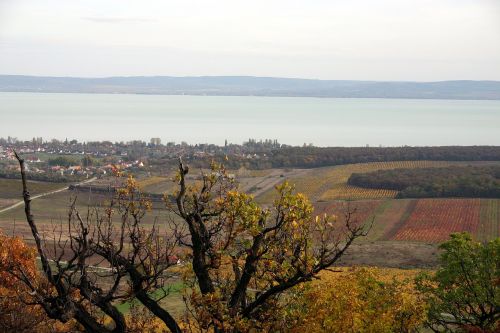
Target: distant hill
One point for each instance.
(258, 86)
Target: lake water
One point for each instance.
(212, 119)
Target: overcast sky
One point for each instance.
(420, 40)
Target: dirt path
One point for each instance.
(19, 203)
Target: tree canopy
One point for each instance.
(464, 293)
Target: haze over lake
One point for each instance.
(212, 119)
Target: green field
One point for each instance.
(172, 302)
(11, 190)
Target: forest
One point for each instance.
(453, 181)
(313, 157)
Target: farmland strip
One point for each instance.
(391, 233)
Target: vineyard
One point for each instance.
(364, 211)
(387, 222)
(346, 192)
(422, 220)
(435, 220)
(489, 219)
(330, 183)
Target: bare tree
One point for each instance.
(93, 259)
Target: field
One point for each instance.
(489, 219)
(11, 190)
(424, 220)
(330, 183)
(258, 183)
(52, 211)
(434, 220)
(404, 232)
(156, 185)
(364, 210)
(254, 182)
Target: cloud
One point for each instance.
(118, 19)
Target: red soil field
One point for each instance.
(434, 220)
(363, 210)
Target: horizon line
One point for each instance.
(244, 76)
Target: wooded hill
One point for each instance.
(253, 86)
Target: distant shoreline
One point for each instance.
(254, 86)
(258, 96)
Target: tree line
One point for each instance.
(453, 181)
(313, 157)
(85, 161)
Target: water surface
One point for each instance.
(213, 119)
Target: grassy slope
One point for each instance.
(12, 188)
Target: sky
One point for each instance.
(386, 40)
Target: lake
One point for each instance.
(213, 119)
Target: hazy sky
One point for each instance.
(422, 40)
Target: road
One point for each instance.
(17, 204)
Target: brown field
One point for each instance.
(253, 182)
(391, 254)
(156, 185)
(258, 183)
(7, 202)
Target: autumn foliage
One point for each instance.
(243, 256)
(356, 300)
(17, 311)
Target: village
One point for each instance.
(70, 160)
